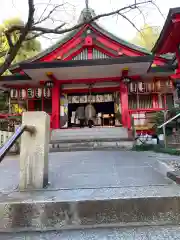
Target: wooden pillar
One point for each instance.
(56, 106)
(124, 104)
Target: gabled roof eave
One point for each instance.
(166, 26)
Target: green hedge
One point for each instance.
(143, 147)
(156, 148)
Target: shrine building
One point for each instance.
(92, 65)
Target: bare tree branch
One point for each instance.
(45, 9)
(8, 37)
(122, 15)
(14, 50)
(142, 14)
(159, 10)
(49, 14)
(57, 31)
(31, 28)
(42, 30)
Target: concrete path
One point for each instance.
(73, 170)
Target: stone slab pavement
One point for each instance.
(139, 233)
(74, 170)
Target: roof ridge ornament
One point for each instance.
(87, 13)
(87, 4)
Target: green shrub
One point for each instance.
(143, 147)
(168, 151)
(156, 148)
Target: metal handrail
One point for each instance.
(169, 120)
(19, 131)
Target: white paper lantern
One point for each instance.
(14, 93)
(30, 93)
(22, 93)
(47, 92)
(149, 87)
(38, 92)
(141, 87)
(133, 87)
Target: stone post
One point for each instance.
(34, 151)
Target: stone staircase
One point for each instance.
(89, 139)
(93, 211)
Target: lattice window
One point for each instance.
(140, 101)
(132, 102)
(82, 55)
(99, 55)
(145, 101)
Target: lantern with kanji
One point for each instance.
(22, 93)
(14, 93)
(141, 87)
(133, 87)
(30, 92)
(47, 92)
(38, 92)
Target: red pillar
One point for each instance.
(124, 105)
(155, 101)
(56, 106)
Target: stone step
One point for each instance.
(89, 133)
(90, 139)
(130, 233)
(90, 145)
(90, 208)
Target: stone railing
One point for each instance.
(34, 149)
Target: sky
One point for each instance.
(71, 9)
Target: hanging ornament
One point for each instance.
(38, 92)
(158, 85)
(141, 86)
(47, 92)
(22, 93)
(133, 87)
(169, 83)
(126, 80)
(30, 93)
(49, 84)
(149, 87)
(14, 93)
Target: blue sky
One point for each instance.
(72, 8)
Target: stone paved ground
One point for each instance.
(113, 170)
(91, 170)
(171, 160)
(140, 233)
